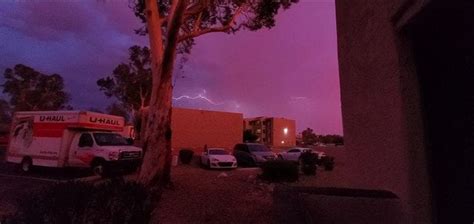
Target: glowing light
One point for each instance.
(285, 131)
(282, 142)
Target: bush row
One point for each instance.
(116, 201)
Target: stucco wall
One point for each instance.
(196, 128)
(383, 132)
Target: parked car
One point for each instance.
(218, 158)
(252, 154)
(294, 154)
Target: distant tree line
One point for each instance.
(26, 89)
(308, 137)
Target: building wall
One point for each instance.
(196, 128)
(270, 130)
(383, 130)
(280, 138)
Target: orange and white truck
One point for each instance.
(71, 139)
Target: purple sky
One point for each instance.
(289, 71)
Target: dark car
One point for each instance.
(252, 154)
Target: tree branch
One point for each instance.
(196, 8)
(154, 33)
(224, 28)
(142, 97)
(190, 11)
(197, 23)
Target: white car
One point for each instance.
(218, 158)
(293, 154)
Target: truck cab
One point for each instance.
(103, 151)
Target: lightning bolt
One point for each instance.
(200, 96)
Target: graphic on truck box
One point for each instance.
(22, 134)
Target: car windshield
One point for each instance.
(259, 148)
(218, 152)
(106, 139)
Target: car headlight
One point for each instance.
(114, 155)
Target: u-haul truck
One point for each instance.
(70, 139)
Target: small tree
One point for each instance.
(130, 83)
(332, 139)
(31, 90)
(249, 136)
(5, 117)
(308, 136)
(5, 112)
(93, 109)
(118, 110)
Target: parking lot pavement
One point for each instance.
(58, 174)
(15, 189)
(15, 186)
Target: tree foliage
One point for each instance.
(5, 116)
(118, 110)
(331, 139)
(249, 136)
(130, 83)
(29, 89)
(209, 16)
(309, 137)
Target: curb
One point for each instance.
(31, 178)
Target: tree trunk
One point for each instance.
(156, 167)
(155, 171)
(140, 123)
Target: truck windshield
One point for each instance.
(105, 139)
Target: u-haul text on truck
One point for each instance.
(70, 139)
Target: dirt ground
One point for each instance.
(216, 196)
(206, 196)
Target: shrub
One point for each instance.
(186, 155)
(78, 202)
(279, 171)
(308, 162)
(328, 162)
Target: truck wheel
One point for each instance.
(99, 168)
(26, 165)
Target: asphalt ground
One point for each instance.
(17, 186)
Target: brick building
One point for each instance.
(196, 128)
(272, 131)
